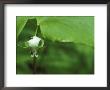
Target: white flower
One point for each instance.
(34, 42)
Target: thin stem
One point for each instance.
(34, 65)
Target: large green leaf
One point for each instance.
(78, 29)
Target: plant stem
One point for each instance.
(34, 65)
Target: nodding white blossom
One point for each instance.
(34, 45)
(34, 42)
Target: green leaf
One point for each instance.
(20, 23)
(78, 29)
(39, 34)
(28, 31)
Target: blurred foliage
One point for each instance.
(68, 48)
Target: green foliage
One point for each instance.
(25, 34)
(68, 47)
(69, 29)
